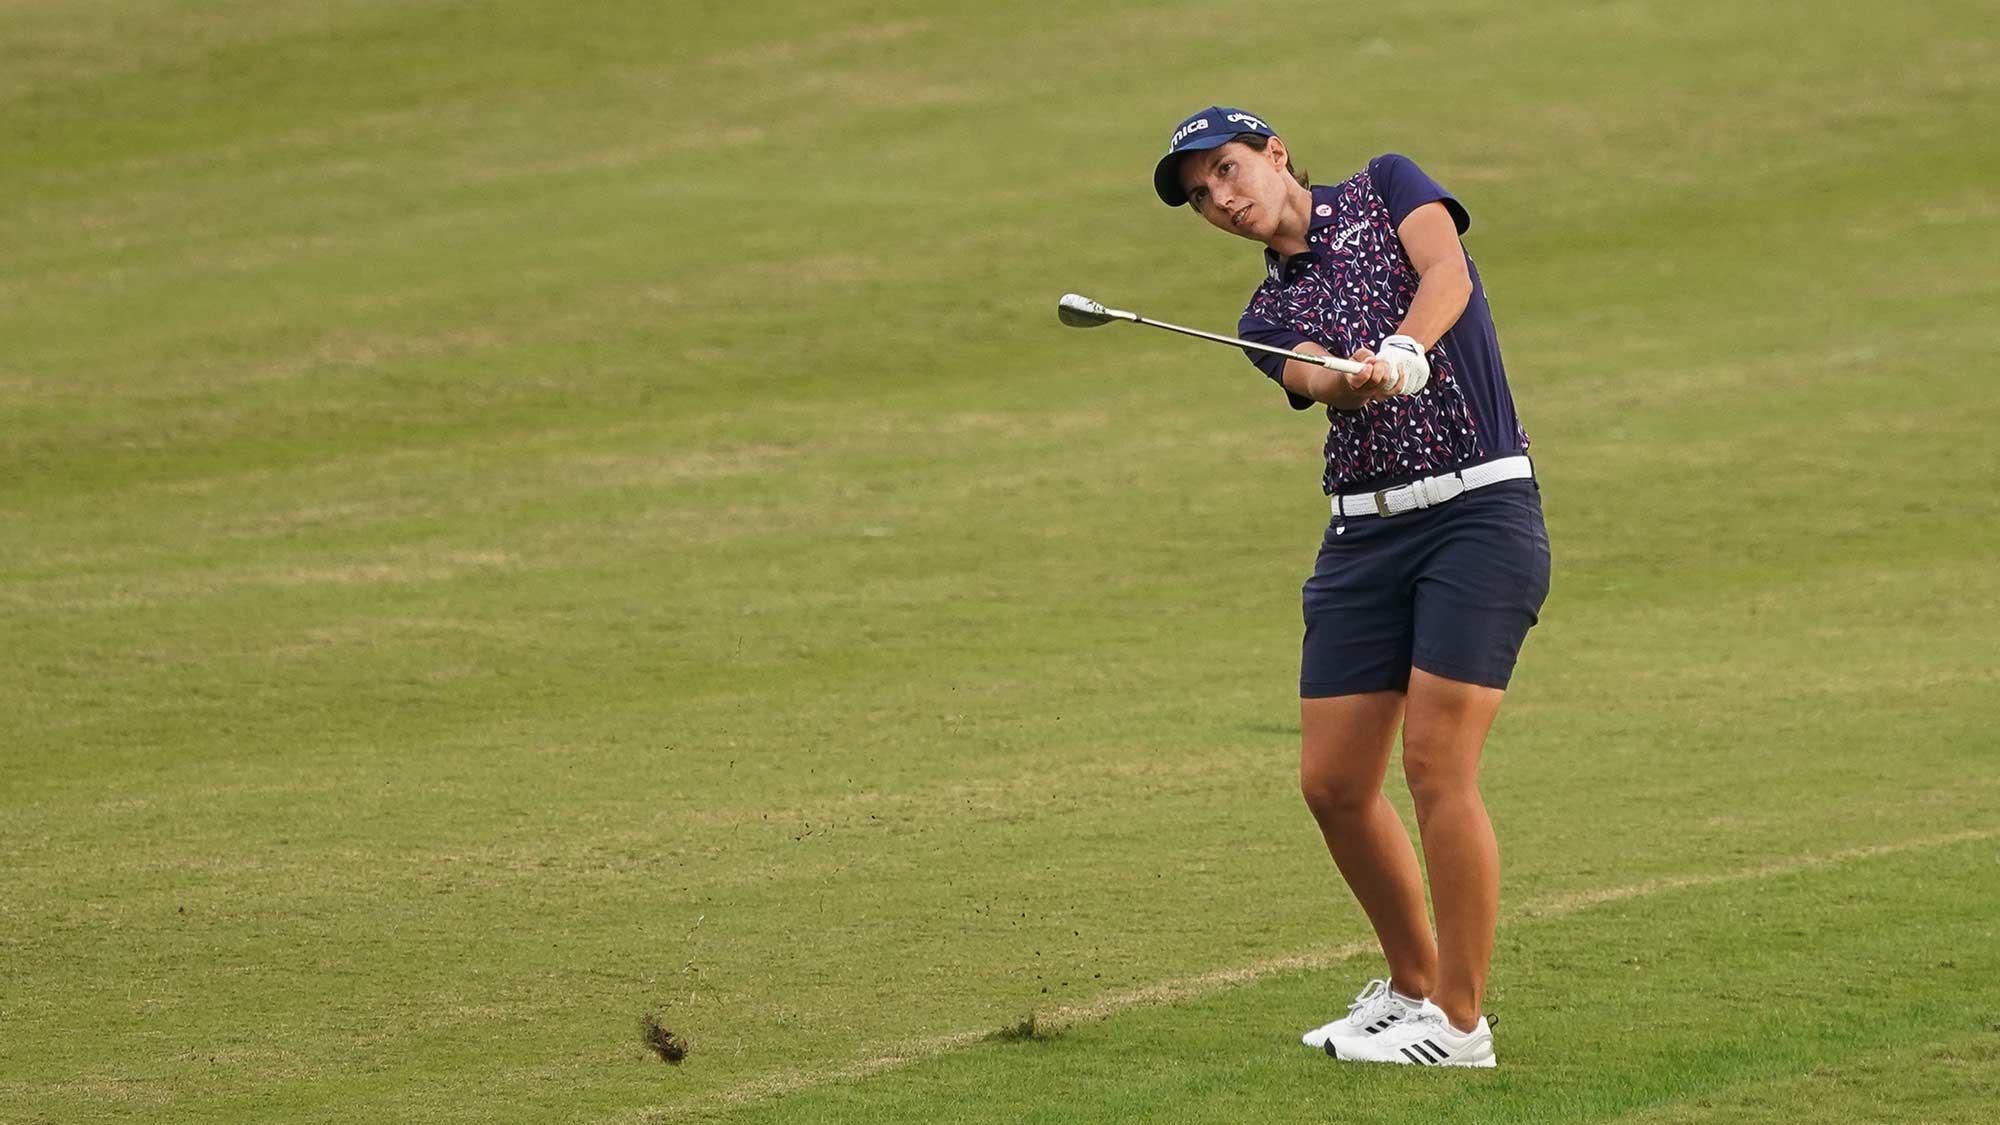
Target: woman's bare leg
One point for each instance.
(1442, 737)
(1344, 754)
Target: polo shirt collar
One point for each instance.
(1325, 209)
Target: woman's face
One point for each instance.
(1239, 189)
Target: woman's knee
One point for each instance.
(1438, 771)
(1444, 735)
(1344, 752)
(1337, 795)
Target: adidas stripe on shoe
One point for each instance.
(1422, 1038)
(1374, 1011)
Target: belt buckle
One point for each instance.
(1382, 504)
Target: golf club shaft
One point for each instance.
(1335, 363)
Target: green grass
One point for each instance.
(1683, 1003)
(519, 517)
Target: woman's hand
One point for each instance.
(1377, 378)
(1337, 388)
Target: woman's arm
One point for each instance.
(1340, 391)
(1444, 284)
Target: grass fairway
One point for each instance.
(519, 516)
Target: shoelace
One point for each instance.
(1433, 1017)
(1373, 996)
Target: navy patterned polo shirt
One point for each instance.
(1350, 289)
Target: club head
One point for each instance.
(1079, 311)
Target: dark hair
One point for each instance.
(1260, 142)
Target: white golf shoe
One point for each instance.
(1421, 1038)
(1374, 1011)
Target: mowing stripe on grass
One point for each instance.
(1201, 985)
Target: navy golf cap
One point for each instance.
(1211, 128)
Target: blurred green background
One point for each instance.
(519, 517)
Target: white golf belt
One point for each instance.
(1431, 491)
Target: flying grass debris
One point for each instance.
(660, 1041)
(1027, 1030)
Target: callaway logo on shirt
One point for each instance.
(1348, 234)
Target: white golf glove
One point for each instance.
(1407, 357)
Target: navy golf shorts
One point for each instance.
(1451, 589)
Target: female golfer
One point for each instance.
(1431, 571)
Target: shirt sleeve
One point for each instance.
(1260, 331)
(1406, 187)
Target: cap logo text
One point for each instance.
(1186, 131)
(1246, 119)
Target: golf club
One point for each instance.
(1079, 311)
